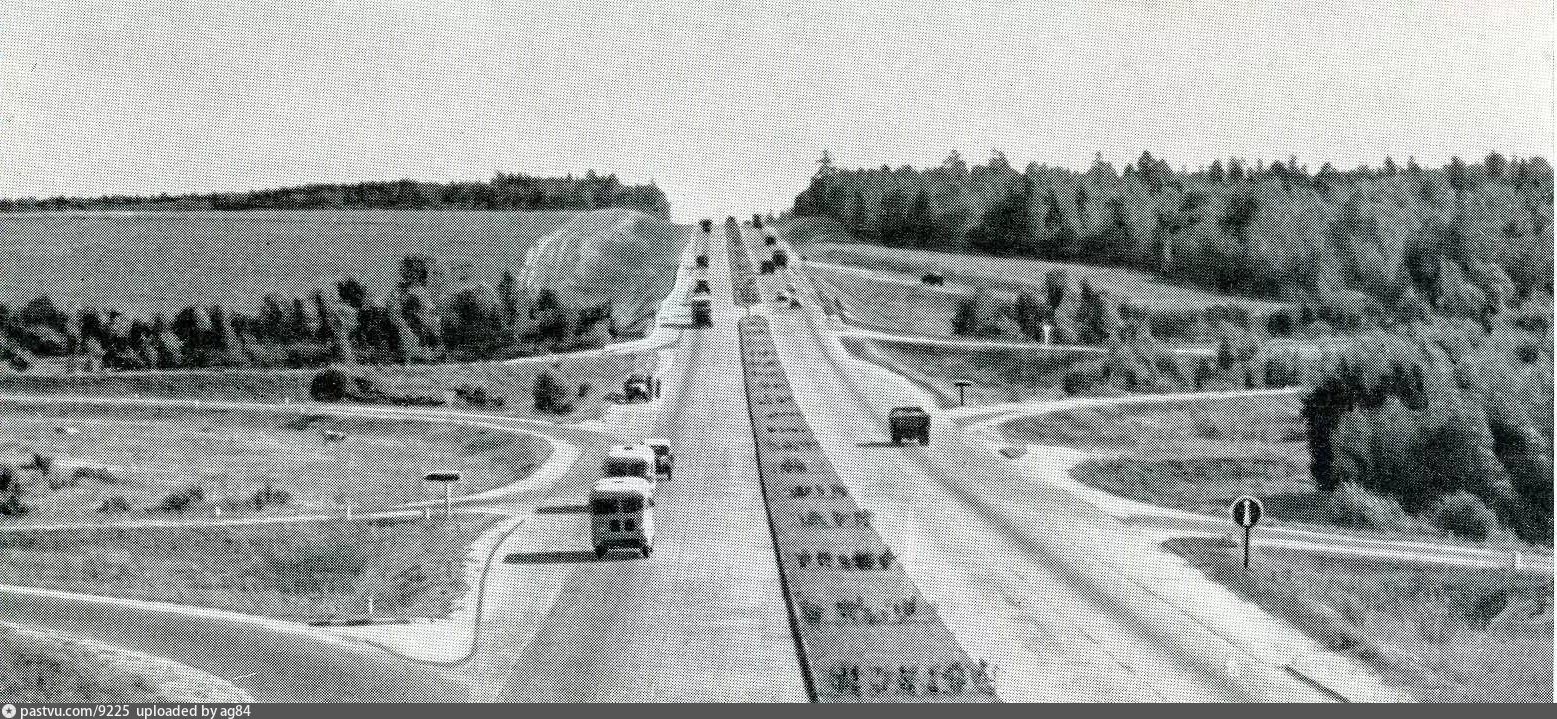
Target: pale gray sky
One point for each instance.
(727, 104)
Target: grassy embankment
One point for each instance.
(301, 572)
(37, 668)
(1440, 633)
(140, 455)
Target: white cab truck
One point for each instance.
(621, 515)
(632, 460)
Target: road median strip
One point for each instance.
(863, 631)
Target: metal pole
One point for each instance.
(1245, 547)
(962, 401)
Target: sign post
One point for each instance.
(447, 479)
(962, 386)
(1247, 512)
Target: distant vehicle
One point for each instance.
(621, 513)
(701, 288)
(69, 431)
(702, 311)
(331, 435)
(630, 460)
(770, 240)
(664, 460)
(708, 225)
(909, 423)
(931, 278)
(780, 258)
(780, 297)
(702, 261)
(794, 303)
(767, 267)
(638, 387)
(756, 222)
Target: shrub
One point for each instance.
(330, 384)
(1352, 506)
(180, 500)
(268, 495)
(101, 474)
(60, 481)
(1464, 514)
(551, 395)
(11, 504)
(114, 505)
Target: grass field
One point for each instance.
(301, 572)
(141, 455)
(514, 382)
(160, 261)
(38, 668)
(1442, 634)
(1015, 275)
(998, 374)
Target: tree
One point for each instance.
(1005, 225)
(893, 223)
(1056, 284)
(919, 224)
(550, 394)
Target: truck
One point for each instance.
(909, 423)
(701, 288)
(933, 278)
(702, 311)
(770, 240)
(756, 222)
(638, 387)
(665, 460)
(702, 262)
(708, 225)
(767, 267)
(780, 258)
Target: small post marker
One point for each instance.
(962, 386)
(1246, 512)
(447, 478)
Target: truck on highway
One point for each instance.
(638, 387)
(756, 222)
(664, 459)
(621, 514)
(933, 278)
(770, 240)
(702, 311)
(780, 258)
(702, 261)
(767, 267)
(701, 288)
(632, 460)
(909, 423)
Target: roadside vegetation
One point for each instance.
(122, 463)
(308, 571)
(1444, 634)
(306, 289)
(39, 668)
(505, 191)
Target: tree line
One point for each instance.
(421, 319)
(503, 192)
(1391, 243)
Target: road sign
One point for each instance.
(448, 479)
(1246, 512)
(962, 385)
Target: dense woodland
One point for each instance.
(423, 318)
(503, 192)
(1440, 279)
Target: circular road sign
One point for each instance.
(1247, 511)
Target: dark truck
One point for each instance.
(702, 261)
(780, 258)
(701, 288)
(933, 278)
(638, 388)
(767, 267)
(756, 222)
(909, 423)
(708, 225)
(770, 240)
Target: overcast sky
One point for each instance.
(727, 104)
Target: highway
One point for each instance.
(1069, 602)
